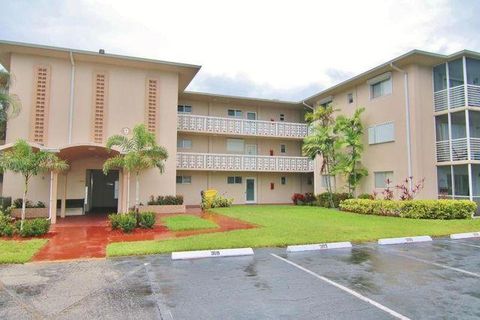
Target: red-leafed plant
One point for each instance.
(387, 192)
(405, 192)
(298, 198)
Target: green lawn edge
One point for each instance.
(280, 226)
(19, 251)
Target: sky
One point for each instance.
(286, 50)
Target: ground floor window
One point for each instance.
(184, 179)
(283, 180)
(234, 180)
(381, 178)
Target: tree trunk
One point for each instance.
(137, 192)
(128, 191)
(24, 200)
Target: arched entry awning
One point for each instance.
(84, 150)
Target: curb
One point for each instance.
(216, 253)
(404, 240)
(319, 246)
(465, 235)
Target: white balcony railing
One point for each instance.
(456, 97)
(459, 150)
(240, 162)
(235, 126)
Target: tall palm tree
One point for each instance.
(9, 103)
(140, 152)
(24, 160)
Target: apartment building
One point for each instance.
(420, 113)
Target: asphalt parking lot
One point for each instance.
(434, 280)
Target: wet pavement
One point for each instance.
(437, 280)
(88, 236)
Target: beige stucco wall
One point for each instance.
(201, 180)
(392, 156)
(126, 108)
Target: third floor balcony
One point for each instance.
(241, 127)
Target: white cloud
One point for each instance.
(278, 46)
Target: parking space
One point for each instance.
(439, 279)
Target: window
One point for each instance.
(235, 145)
(235, 113)
(455, 73)
(381, 85)
(283, 148)
(350, 98)
(184, 179)
(283, 180)
(184, 143)
(234, 180)
(309, 181)
(441, 127)
(381, 133)
(282, 117)
(184, 108)
(473, 71)
(251, 115)
(381, 178)
(439, 78)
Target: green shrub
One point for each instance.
(365, 196)
(17, 203)
(124, 221)
(33, 228)
(324, 199)
(6, 226)
(146, 220)
(221, 202)
(165, 200)
(415, 209)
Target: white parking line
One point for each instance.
(473, 274)
(350, 291)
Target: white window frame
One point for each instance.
(237, 113)
(184, 180)
(379, 80)
(236, 180)
(184, 106)
(384, 180)
(181, 144)
(350, 96)
(372, 133)
(284, 146)
(251, 112)
(238, 149)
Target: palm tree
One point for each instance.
(351, 132)
(140, 152)
(24, 160)
(9, 104)
(322, 141)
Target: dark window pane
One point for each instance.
(455, 73)
(439, 78)
(441, 124)
(444, 180)
(473, 71)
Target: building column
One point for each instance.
(52, 207)
(64, 197)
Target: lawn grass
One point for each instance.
(188, 222)
(12, 251)
(285, 225)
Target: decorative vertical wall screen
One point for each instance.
(41, 103)
(151, 105)
(100, 92)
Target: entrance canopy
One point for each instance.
(85, 150)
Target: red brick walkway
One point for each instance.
(88, 236)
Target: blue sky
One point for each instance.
(269, 49)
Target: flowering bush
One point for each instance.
(298, 198)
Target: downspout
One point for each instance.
(407, 116)
(72, 88)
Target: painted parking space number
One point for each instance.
(214, 253)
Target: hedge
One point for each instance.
(416, 209)
(323, 199)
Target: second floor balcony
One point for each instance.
(241, 162)
(458, 150)
(242, 127)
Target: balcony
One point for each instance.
(243, 127)
(456, 97)
(457, 150)
(240, 162)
